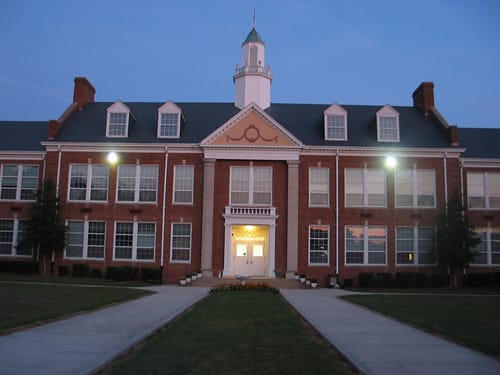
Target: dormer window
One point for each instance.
(118, 120)
(335, 123)
(169, 120)
(388, 124)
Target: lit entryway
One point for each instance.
(249, 250)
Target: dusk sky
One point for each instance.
(348, 52)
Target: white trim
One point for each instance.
(257, 153)
(88, 188)
(137, 183)
(169, 108)
(387, 111)
(190, 243)
(365, 188)
(85, 244)
(327, 264)
(117, 107)
(19, 182)
(414, 183)
(135, 235)
(335, 110)
(190, 203)
(251, 181)
(22, 155)
(328, 188)
(365, 263)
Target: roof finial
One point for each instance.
(253, 18)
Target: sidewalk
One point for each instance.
(379, 345)
(86, 342)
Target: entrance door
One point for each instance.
(250, 259)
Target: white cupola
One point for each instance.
(253, 80)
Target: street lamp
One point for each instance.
(391, 162)
(112, 158)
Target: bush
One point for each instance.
(96, 273)
(364, 279)
(126, 273)
(439, 280)
(385, 278)
(421, 280)
(80, 270)
(405, 279)
(496, 278)
(348, 283)
(476, 280)
(63, 271)
(151, 275)
(19, 266)
(110, 272)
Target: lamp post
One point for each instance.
(391, 163)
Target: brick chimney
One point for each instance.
(423, 97)
(84, 92)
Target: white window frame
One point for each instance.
(488, 241)
(487, 195)
(117, 108)
(177, 182)
(85, 240)
(365, 187)
(135, 237)
(324, 251)
(319, 187)
(415, 247)
(137, 183)
(88, 180)
(365, 249)
(15, 239)
(251, 186)
(332, 116)
(19, 181)
(172, 249)
(169, 108)
(416, 177)
(387, 112)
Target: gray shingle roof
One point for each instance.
(253, 36)
(23, 135)
(304, 121)
(480, 142)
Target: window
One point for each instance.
(19, 182)
(415, 188)
(488, 250)
(335, 118)
(483, 190)
(387, 124)
(88, 182)
(319, 187)
(86, 239)
(117, 126)
(169, 125)
(181, 242)
(365, 245)
(415, 245)
(251, 185)
(318, 244)
(135, 241)
(137, 183)
(183, 184)
(365, 188)
(11, 233)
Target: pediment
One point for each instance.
(251, 127)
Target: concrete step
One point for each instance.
(277, 283)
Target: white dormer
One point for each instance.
(387, 124)
(169, 120)
(117, 120)
(335, 120)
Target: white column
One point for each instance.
(207, 225)
(292, 219)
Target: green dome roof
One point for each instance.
(253, 36)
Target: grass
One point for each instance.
(5, 276)
(26, 304)
(237, 332)
(469, 320)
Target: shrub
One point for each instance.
(151, 275)
(476, 280)
(348, 283)
(496, 278)
(364, 279)
(405, 279)
(96, 273)
(63, 270)
(19, 266)
(438, 280)
(244, 287)
(421, 280)
(126, 273)
(385, 279)
(80, 270)
(110, 272)
(375, 282)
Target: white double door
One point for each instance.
(250, 258)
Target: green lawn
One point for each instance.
(5, 276)
(235, 332)
(26, 304)
(469, 320)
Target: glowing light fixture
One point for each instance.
(112, 158)
(391, 162)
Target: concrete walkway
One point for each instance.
(84, 343)
(380, 345)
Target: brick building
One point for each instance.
(251, 187)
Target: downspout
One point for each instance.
(164, 207)
(58, 169)
(462, 183)
(337, 215)
(445, 170)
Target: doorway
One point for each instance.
(249, 248)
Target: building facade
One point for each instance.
(251, 188)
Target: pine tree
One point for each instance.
(455, 239)
(45, 231)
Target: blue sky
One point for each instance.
(349, 52)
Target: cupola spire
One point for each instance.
(253, 80)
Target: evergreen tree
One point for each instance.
(45, 231)
(455, 239)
